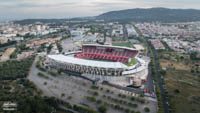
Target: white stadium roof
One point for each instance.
(93, 63)
(110, 46)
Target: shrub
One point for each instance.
(95, 93)
(107, 90)
(102, 109)
(69, 97)
(92, 99)
(43, 75)
(99, 101)
(127, 110)
(81, 109)
(117, 107)
(52, 73)
(176, 91)
(45, 83)
(146, 109)
(60, 71)
(62, 95)
(133, 98)
(94, 87)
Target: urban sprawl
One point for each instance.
(98, 66)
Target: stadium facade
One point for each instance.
(104, 63)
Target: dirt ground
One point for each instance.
(183, 87)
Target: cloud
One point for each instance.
(34, 3)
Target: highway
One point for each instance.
(159, 79)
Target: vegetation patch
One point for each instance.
(59, 46)
(42, 75)
(11, 70)
(131, 63)
(123, 44)
(15, 87)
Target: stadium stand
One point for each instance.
(106, 53)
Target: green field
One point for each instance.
(86, 42)
(131, 63)
(125, 44)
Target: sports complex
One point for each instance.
(122, 66)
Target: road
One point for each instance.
(125, 31)
(149, 85)
(159, 79)
(160, 82)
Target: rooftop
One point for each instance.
(110, 46)
(99, 64)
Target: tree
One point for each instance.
(62, 95)
(182, 57)
(163, 72)
(146, 109)
(102, 109)
(92, 99)
(14, 54)
(69, 97)
(193, 56)
(99, 101)
(59, 46)
(127, 110)
(133, 98)
(13, 70)
(117, 107)
(59, 71)
(192, 71)
(94, 87)
(95, 93)
(49, 48)
(107, 90)
(176, 91)
(28, 35)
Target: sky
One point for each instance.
(27, 9)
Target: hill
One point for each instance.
(31, 21)
(138, 15)
(152, 14)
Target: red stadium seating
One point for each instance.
(106, 53)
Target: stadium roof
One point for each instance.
(110, 46)
(136, 68)
(99, 64)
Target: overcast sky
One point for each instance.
(23, 9)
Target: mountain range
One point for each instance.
(152, 14)
(138, 15)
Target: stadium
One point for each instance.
(117, 65)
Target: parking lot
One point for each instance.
(68, 45)
(64, 86)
